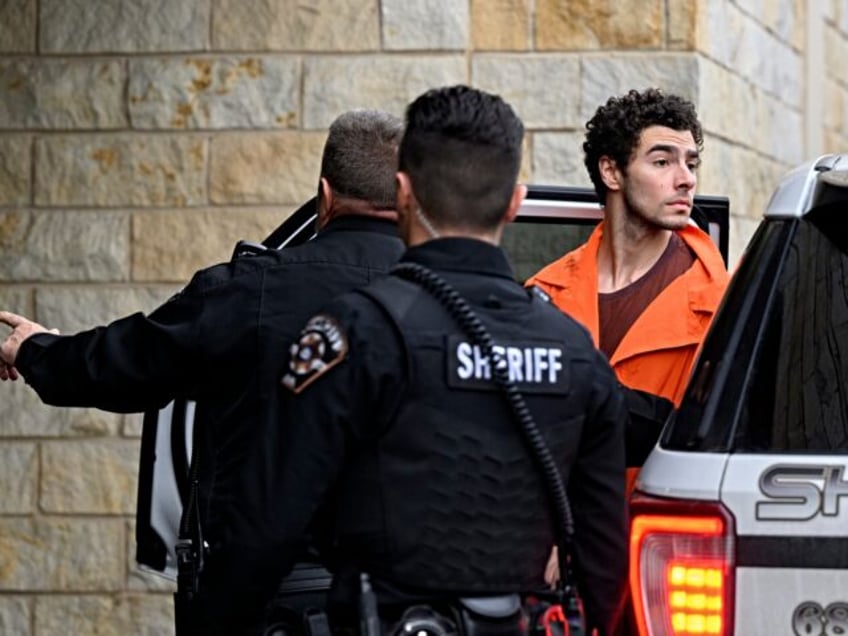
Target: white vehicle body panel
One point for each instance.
(758, 514)
(682, 475)
(768, 600)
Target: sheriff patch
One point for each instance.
(535, 367)
(321, 346)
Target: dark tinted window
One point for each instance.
(532, 244)
(798, 398)
(708, 411)
(773, 375)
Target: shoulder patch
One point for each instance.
(321, 346)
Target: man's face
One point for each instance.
(658, 187)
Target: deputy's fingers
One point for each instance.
(13, 320)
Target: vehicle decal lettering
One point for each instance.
(800, 492)
(811, 619)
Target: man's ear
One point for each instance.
(518, 194)
(325, 202)
(610, 174)
(406, 200)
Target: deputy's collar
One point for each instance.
(461, 255)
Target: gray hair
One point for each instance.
(360, 156)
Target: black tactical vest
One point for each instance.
(448, 497)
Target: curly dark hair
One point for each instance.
(462, 152)
(615, 129)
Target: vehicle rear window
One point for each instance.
(773, 375)
(533, 243)
(798, 396)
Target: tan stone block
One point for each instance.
(424, 24)
(558, 159)
(783, 128)
(716, 176)
(599, 24)
(835, 140)
(720, 26)
(290, 25)
(42, 554)
(15, 166)
(76, 308)
(121, 169)
(165, 245)
(139, 579)
(602, 77)
(785, 19)
(683, 24)
(24, 416)
(741, 229)
(829, 9)
(333, 85)
(202, 92)
(541, 89)
(94, 476)
(17, 26)
(768, 63)
(76, 26)
(17, 478)
(65, 246)
(138, 614)
(728, 106)
(835, 53)
(500, 25)
(48, 93)
(276, 168)
(525, 172)
(15, 615)
(132, 425)
(720, 175)
(18, 299)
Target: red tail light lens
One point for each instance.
(681, 567)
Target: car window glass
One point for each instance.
(709, 407)
(798, 394)
(532, 244)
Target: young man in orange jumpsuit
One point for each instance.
(648, 281)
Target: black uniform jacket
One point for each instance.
(396, 442)
(219, 341)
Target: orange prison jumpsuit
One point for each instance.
(657, 353)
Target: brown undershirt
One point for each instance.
(618, 310)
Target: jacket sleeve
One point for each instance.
(597, 494)
(648, 413)
(292, 473)
(133, 364)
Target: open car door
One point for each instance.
(552, 221)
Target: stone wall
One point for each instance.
(139, 139)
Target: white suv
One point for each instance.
(739, 520)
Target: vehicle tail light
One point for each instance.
(681, 567)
